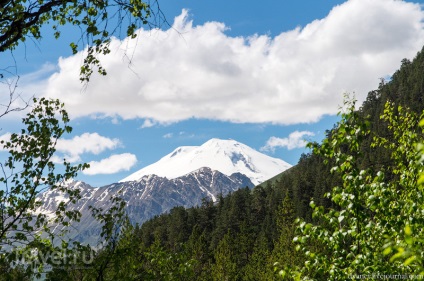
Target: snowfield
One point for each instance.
(226, 156)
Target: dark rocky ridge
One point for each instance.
(150, 196)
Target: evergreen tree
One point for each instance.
(225, 267)
(284, 253)
(260, 263)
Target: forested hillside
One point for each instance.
(251, 234)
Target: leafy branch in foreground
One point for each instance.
(97, 20)
(376, 225)
(28, 171)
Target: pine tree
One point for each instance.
(224, 267)
(284, 254)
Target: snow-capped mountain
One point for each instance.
(182, 178)
(226, 156)
(150, 196)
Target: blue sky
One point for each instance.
(267, 74)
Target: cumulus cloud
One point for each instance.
(93, 143)
(295, 140)
(86, 143)
(296, 76)
(111, 165)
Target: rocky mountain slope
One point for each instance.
(150, 196)
(182, 178)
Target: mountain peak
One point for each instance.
(221, 143)
(226, 156)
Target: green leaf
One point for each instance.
(408, 230)
(409, 260)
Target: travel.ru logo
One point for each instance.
(47, 260)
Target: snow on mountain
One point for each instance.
(226, 156)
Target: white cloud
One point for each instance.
(295, 140)
(114, 164)
(72, 149)
(93, 143)
(86, 143)
(200, 72)
(148, 123)
(168, 135)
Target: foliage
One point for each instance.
(369, 231)
(114, 239)
(107, 262)
(97, 20)
(225, 266)
(406, 242)
(28, 171)
(161, 264)
(284, 254)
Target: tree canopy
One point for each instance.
(97, 21)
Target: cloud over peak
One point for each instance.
(111, 165)
(295, 139)
(295, 77)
